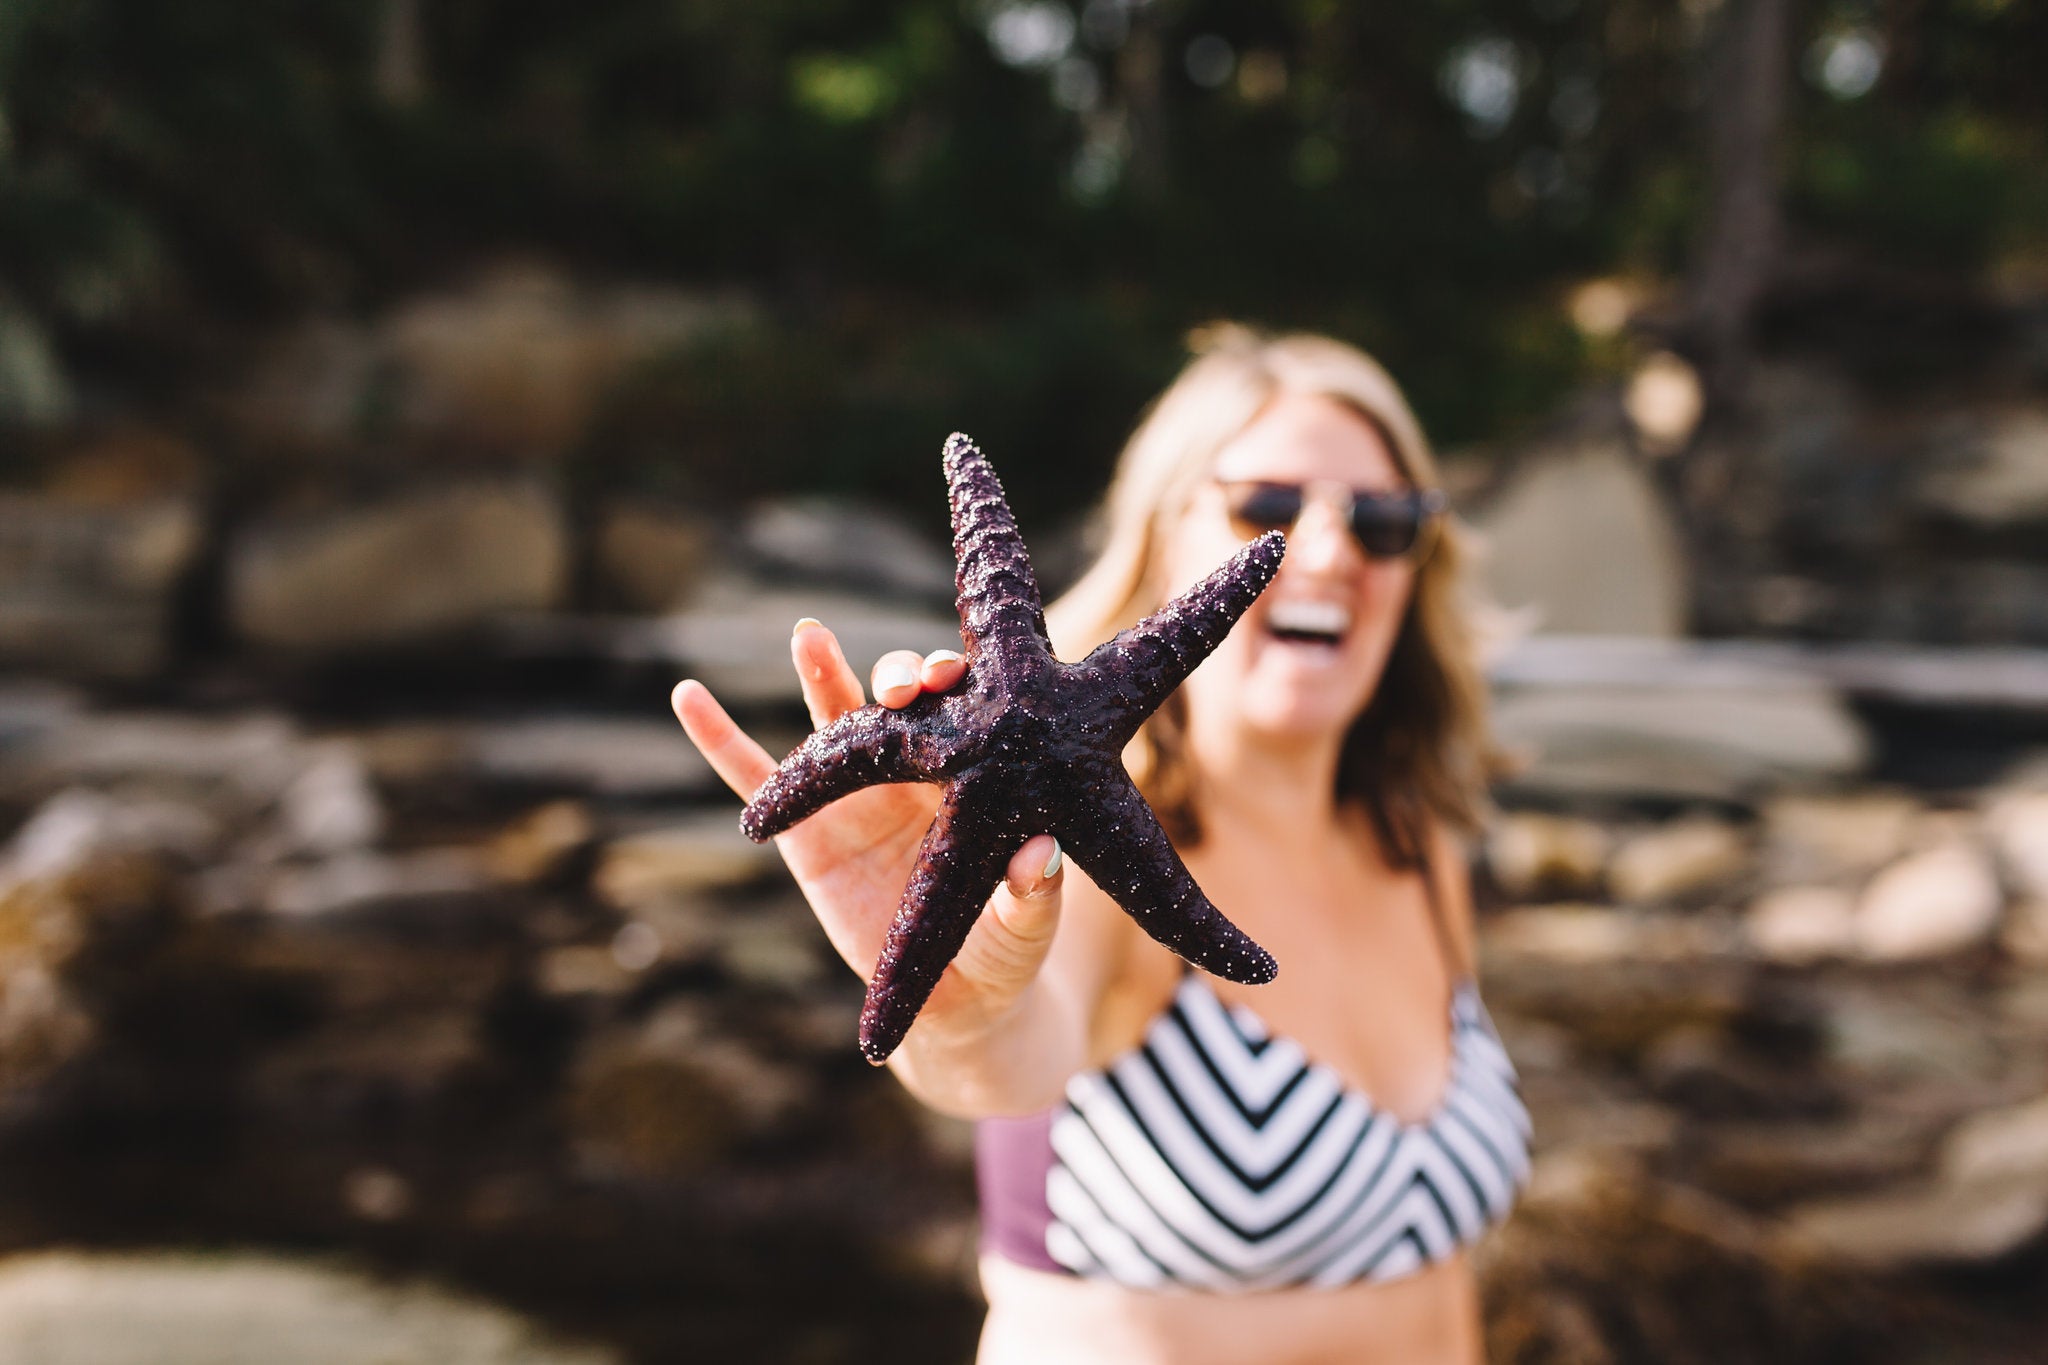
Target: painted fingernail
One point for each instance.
(893, 675)
(798, 628)
(941, 656)
(1052, 864)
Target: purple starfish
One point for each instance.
(1024, 745)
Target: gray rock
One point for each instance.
(256, 756)
(1814, 837)
(1934, 1224)
(1927, 904)
(1628, 579)
(331, 806)
(2018, 824)
(2026, 932)
(1802, 924)
(848, 544)
(606, 755)
(650, 559)
(428, 563)
(182, 1308)
(703, 853)
(1677, 860)
(87, 589)
(2005, 483)
(1678, 743)
(1531, 853)
(351, 881)
(2009, 1144)
(735, 637)
(79, 825)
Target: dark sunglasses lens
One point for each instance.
(1261, 507)
(1387, 528)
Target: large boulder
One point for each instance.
(88, 589)
(1579, 535)
(187, 1308)
(427, 563)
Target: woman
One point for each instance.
(1175, 1168)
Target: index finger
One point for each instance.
(733, 755)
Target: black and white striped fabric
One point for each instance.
(1214, 1157)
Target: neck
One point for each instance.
(1282, 791)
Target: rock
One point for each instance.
(88, 590)
(782, 954)
(584, 969)
(2026, 933)
(254, 755)
(2019, 831)
(1801, 924)
(603, 755)
(1770, 1163)
(515, 365)
(1940, 1224)
(79, 825)
(848, 544)
(1531, 854)
(703, 853)
(1590, 934)
(331, 806)
(1603, 1265)
(1627, 580)
(186, 1308)
(673, 1098)
(2008, 1144)
(352, 881)
(541, 844)
(1814, 838)
(2006, 483)
(1883, 1040)
(735, 636)
(1940, 901)
(1677, 860)
(1669, 743)
(428, 563)
(650, 559)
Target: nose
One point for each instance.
(1321, 540)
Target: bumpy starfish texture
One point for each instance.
(1024, 745)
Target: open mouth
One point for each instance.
(1308, 623)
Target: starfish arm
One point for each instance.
(1142, 665)
(1121, 847)
(863, 748)
(958, 866)
(999, 599)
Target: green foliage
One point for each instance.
(1000, 214)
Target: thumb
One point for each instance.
(1008, 943)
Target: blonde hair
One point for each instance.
(1419, 754)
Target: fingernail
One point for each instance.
(798, 628)
(890, 676)
(941, 656)
(1052, 864)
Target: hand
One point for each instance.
(852, 859)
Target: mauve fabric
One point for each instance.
(1011, 1159)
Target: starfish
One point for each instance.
(1024, 744)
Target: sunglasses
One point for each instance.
(1386, 525)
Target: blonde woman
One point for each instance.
(1175, 1168)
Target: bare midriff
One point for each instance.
(1428, 1318)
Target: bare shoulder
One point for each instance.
(1450, 863)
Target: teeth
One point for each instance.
(1309, 618)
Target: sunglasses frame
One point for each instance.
(1429, 505)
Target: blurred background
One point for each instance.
(397, 397)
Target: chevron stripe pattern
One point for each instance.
(1215, 1157)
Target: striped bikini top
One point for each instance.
(1217, 1158)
